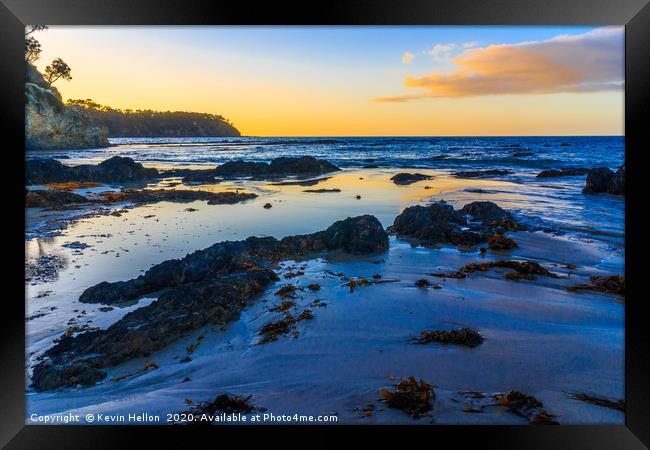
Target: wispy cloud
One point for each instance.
(442, 52)
(588, 62)
(407, 57)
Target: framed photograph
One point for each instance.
(366, 216)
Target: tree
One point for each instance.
(58, 69)
(32, 28)
(32, 46)
(32, 50)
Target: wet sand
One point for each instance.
(540, 338)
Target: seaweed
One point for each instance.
(610, 284)
(466, 337)
(413, 397)
(501, 242)
(600, 401)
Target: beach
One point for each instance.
(539, 337)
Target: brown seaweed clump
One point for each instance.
(458, 275)
(413, 397)
(72, 185)
(228, 404)
(600, 401)
(526, 406)
(288, 290)
(272, 330)
(527, 270)
(466, 337)
(501, 242)
(359, 281)
(284, 306)
(611, 284)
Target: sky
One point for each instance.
(356, 81)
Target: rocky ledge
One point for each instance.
(52, 199)
(114, 170)
(208, 286)
(439, 223)
(304, 165)
(604, 180)
(142, 196)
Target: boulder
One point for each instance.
(52, 199)
(114, 170)
(603, 180)
(403, 179)
(439, 223)
(304, 165)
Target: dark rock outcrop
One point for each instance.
(176, 195)
(208, 286)
(482, 173)
(304, 165)
(192, 175)
(279, 167)
(439, 223)
(52, 199)
(49, 124)
(403, 179)
(553, 173)
(603, 180)
(114, 170)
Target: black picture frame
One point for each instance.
(633, 14)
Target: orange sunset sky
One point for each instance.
(365, 81)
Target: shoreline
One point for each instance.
(171, 231)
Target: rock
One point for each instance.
(603, 180)
(403, 179)
(304, 165)
(482, 173)
(562, 172)
(311, 182)
(54, 199)
(422, 283)
(268, 206)
(49, 124)
(191, 175)
(177, 195)
(485, 212)
(439, 223)
(208, 286)
(321, 191)
(283, 166)
(114, 170)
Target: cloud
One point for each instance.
(442, 52)
(407, 57)
(589, 62)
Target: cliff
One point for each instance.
(49, 124)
